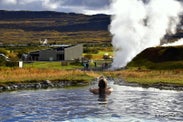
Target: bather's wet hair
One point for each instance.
(102, 86)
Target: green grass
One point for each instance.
(51, 65)
(145, 64)
(159, 58)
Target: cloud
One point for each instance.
(50, 4)
(77, 6)
(7, 2)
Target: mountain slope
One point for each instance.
(47, 20)
(159, 58)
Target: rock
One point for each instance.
(37, 86)
(1, 88)
(48, 83)
(14, 87)
(7, 87)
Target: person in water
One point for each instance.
(102, 87)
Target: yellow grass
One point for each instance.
(9, 75)
(32, 74)
(150, 76)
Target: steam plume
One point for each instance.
(139, 24)
(177, 43)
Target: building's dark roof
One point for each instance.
(54, 47)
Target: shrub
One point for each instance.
(76, 62)
(11, 64)
(88, 56)
(3, 51)
(91, 50)
(2, 61)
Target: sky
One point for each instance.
(76, 6)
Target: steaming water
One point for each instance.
(125, 104)
(137, 25)
(177, 43)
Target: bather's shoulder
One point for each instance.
(109, 90)
(94, 90)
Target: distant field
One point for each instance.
(29, 27)
(17, 36)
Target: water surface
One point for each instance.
(125, 104)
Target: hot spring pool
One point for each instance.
(125, 104)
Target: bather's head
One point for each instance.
(102, 84)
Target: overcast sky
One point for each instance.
(77, 6)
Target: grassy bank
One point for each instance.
(146, 77)
(28, 75)
(150, 77)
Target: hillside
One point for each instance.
(159, 58)
(29, 27)
(47, 20)
(57, 27)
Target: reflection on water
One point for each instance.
(125, 104)
(102, 97)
